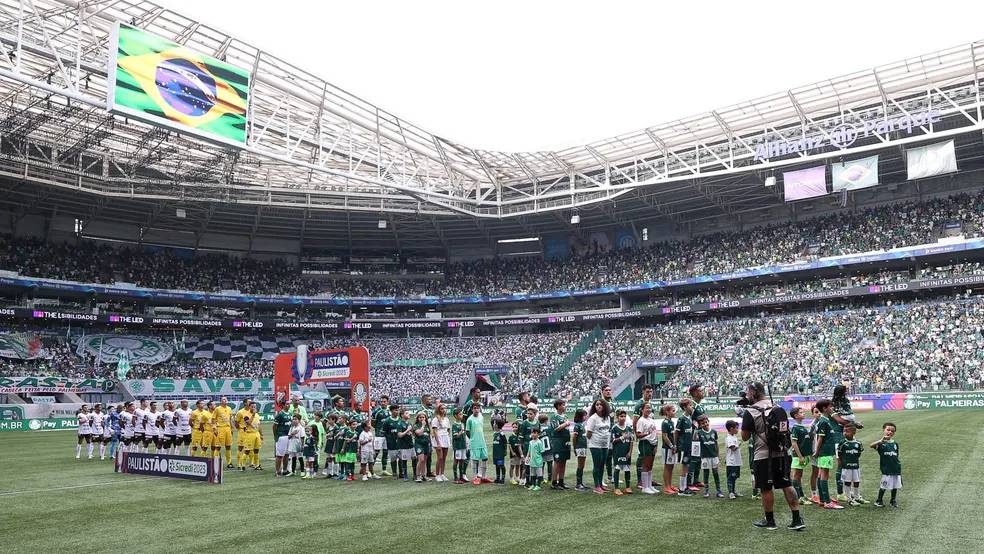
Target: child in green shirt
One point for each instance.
(890, 464)
(536, 459)
(709, 458)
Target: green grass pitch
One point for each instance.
(50, 502)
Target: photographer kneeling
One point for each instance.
(770, 427)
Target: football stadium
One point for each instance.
(244, 309)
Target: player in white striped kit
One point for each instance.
(153, 427)
(85, 431)
(169, 428)
(128, 424)
(98, 423)
(182, 421)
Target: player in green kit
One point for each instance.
(683, 437)
(499, 445)
(849, 461)
(889, 463)
(802, 452)
(515, 458)
(670, 454)
(543, 422)
(560, 442)
(281, 427)
(622, 436)
(525, 428)
(826, 449)
(392, 440)
(379, 445)
(427, 406)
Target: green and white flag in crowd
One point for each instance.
(106, 349)
(123, 365)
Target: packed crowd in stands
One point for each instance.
(845, 232)
(441, 381)
(922, 345)
(895, 348)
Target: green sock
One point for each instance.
(824, 493)
(798, 487)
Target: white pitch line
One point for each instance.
(14, 493)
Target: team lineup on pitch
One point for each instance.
(338, 444)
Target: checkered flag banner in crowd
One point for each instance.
(224, 348)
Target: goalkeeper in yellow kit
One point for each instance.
(242, 415)
(222, 414)
(251, 439)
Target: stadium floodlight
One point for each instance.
(382, 223)
(770, 181)
(575, 219)
(524, 239)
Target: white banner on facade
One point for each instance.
(932, 159)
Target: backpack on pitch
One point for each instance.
(776, 423)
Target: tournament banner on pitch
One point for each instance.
(208, 470)
(168, 84)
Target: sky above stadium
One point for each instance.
(522, 75)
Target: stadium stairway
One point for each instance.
(572, 357)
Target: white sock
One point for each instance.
(78, 450)
(102, 450)
(683, 482)
(483, 467)
(857, 491)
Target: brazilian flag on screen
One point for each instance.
(162, 80)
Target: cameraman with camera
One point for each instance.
(770, 426)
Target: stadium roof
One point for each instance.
(319, 158)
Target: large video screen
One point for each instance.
(164, 83)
